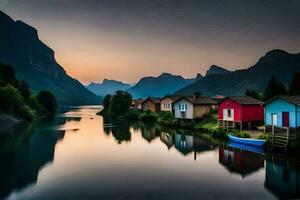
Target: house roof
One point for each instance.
(289, 98)
(137, 100)
(244, 100)
(202, 100)
(153, 99)
(171, 96)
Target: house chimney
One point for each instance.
(197, 95)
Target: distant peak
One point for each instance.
(274, 55)
(165, 74)
(214, 69)
(276, 52)
(198, 77)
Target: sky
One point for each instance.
(129, 39)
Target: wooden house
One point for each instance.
(152, 104)
(283, 112)
(192, 107)
(238, 111)
(136, 104)
(166, 103)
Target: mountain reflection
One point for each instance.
(20, 167)
(25, 153)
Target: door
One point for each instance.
(274, 119)
(285, 119)
(228, 114)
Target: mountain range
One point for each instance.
(35, 63)
(160, 86)
(277, 62)
(107, 87)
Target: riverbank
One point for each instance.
(9, 121)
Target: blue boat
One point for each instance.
(247, 141)
(247, 147)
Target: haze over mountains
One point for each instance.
(107, 87)
(35, 63)
(277, 62)
(159, 86)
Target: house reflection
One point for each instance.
(149, 133)
(200, 146)
(20, 167)
(240, 161)
(184, 143)
(283, 177)
(167, 139)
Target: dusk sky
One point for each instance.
(128, 39)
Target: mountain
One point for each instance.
(35, 63)
(198, 77)
(216, 70)
(159, 86)
(277, 62)
(107, 87)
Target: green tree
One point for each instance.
(254, 94)
(119, 103)
(24, 89)
(294, 88)
(274, 88)
(106, 101)
(48, 101)
(12, 102)
(8, 76)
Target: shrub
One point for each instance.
(25, 112)
(10, 99)
(148, 117)
(33, 103)
(241, 134)
(48, 101)
(12, 102)
(132, 116)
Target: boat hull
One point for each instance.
(247, 141)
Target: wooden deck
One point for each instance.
(280, 137)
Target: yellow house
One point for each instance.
(166, 103)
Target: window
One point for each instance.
(182, 107)
(229, 113)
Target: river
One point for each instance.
(78, 155)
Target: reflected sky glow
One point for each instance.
(88, 163)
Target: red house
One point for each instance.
(238, 111)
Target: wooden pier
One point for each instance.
(280, 137)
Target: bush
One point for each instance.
(25, 112)
(241, 134)
(48, 101)
(33, 103)
(10, 99)
(263, 136)
(132, 116)
(12, 102)
(149, 117)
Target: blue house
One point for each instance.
(283, 111)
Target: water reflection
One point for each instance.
(240, 161)
(20, 167)
(283, 176)
(92, 161)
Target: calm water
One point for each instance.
(78, 155)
